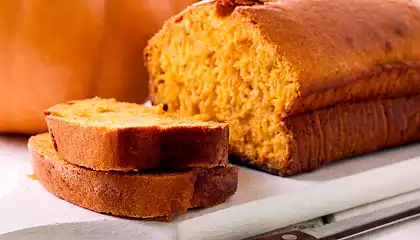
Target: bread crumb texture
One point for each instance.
(111, 113)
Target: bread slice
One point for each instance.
(129, 194)
(104, 134)
(301, 82)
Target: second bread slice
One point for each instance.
(104, 134)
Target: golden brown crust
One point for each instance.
(140, 147)
(328, 45)
(128, 194)
(346, 130)
(385, 81)
(352, 129)
(225, 7)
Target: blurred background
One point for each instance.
(56, 51)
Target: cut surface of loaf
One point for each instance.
(266, 67)
(130, 194)
(104, 134)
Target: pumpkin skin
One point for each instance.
(56, 51)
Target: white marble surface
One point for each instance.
(26, 207)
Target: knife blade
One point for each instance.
(352, 226)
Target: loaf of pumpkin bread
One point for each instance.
(301, 82)
(104, 134)
(130, 194)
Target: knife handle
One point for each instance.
(352, 226)
(292, 235)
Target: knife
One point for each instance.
(350, 227)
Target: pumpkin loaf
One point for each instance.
(104, 134)
(301, 82)
(130, 194)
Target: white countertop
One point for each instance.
(28, 206)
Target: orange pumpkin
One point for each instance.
(55, 51)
